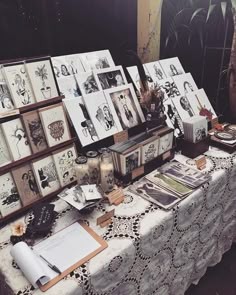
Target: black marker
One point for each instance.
(53, 267)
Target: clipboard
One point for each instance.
(103, 244)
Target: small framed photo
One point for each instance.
(166, 143)
(110, 77)
(185, 83)
(130, 161)
(26, 184)
(46, 175)
(5, 157)
(96, 60)
(150, 150)
(55, 124)
(87, 83)
(64, 160)
(172, 66)
(42, 78)
(6, 102)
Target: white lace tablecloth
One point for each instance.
(150, 251)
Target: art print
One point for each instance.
(111, 77)
(46, 175)
(79, 116)
(165, 143)
(172, 67)
(103, 114)
(64, 161)
(6, 102)
(55, 124)
(169, 87)
(5, 157)
(155, 71)
(42, 79)
(9, 197)
(19, 85)
(150, 151)
(134, 75)
(96, 60)
(185, 83)
(69, 87)
(34, 130)
(16, 139)
(183, 107)
(126, 105)
(26, 184)
(130, 161)
(87, 83)
(173, 119)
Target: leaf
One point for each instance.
(210, 10)
(196, 13)
(223, 9)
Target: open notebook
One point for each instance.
(67, 250)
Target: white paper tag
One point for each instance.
(91, 192)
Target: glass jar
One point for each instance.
(107, 172)
(82, 170)
(94, 167)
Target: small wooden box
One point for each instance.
(193, 150)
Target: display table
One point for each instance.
(150, 251)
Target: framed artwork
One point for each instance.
(46, 175)
(169, 87)
(110, 77)
(150, 150)
(5, 157)
(19, 84)
(55, 124)
(96, 60)
(185, 83)
(165, 143)
(130, 161)
(64, 160)
(134, 75)
(126, 105)
(87, 83)
(34, 130)
(26, 184)
(9, 197)
(66, 65)
(80, 119)
(173, 119)
(103, 114)
(6, 102)
(42, 78)
(69, 87)
(155, 71)
(16, 139)
(183, 107)
(172, 66)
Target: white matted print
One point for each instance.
(166, 143)
(111, 77)
(103, 114)
(16, 139)
(69, 87)
(185, 83)
(64, 160)
(130, 161)
(201, 104)
(172, 66)
(126, 105)
(150, 151)
(155, 71)
(6, 102)
(79, 116)
(96, 60)
(42, 79)
(169, 88)
(19, 85)
(183, 107)
(134, 75)
(55, 124)
(46, 175)
(87, 83)
(173, 119)
(5, 157)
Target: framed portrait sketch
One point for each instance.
(80, 119)
(42, 78)
(26, 184)
(9, 197)
(103, 114)
(46, 175)
(155, 70)
(6, 102)
(87, 83)
(172, 66)
(185, 83)
(130, 161)
(96, 60)
(110, 77)
(55, 124)
(16, 139)
(5, 157)
(18, 83)
(64, 160)
(34, 130)
(126, 104)
(69, 87)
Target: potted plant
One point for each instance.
(42, 73)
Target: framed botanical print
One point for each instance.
(26, 184)
(55, 124)
(172, 66)
(6, 102)
(18, 82)
(16, 139)
(126, 105)
(64, 160)
(42, 78)
(87, 83)
(96, 60)
(185, 83)
(5, 157)
(46, 175)
(34, 130)
(9, 197)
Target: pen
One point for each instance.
(53, 267)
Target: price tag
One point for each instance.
(137, 172)
(105, 217)
(166, 155)
(115, 195)
(121, 136)
(200, 162)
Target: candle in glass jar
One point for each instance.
(82, 170)
(107, 172)
(94, 167)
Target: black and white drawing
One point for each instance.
(150, 151)
(172, 66)
(183, 107)
(185, 83)
(169, 87)
(6, 102)
(5, 157)
(96, 60)
(173, 119)
(155, 71)
(165, 143)
(87, 83)
(69, 87)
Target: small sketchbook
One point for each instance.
(66, 250)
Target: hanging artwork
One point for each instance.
(64, 161)
(42, 78)
(6, 102)
(185, 83)
(46, 175)
(69, 87)
(55, 124)
(103, 114)
(96, 60)
(34, 130)
(16, 139)
(81, 121)
(5, 157)
(9, 197)
(155, 70)
(26, 184)
(172, 66)
(87, 83)
(126, 105)
(18, 83)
